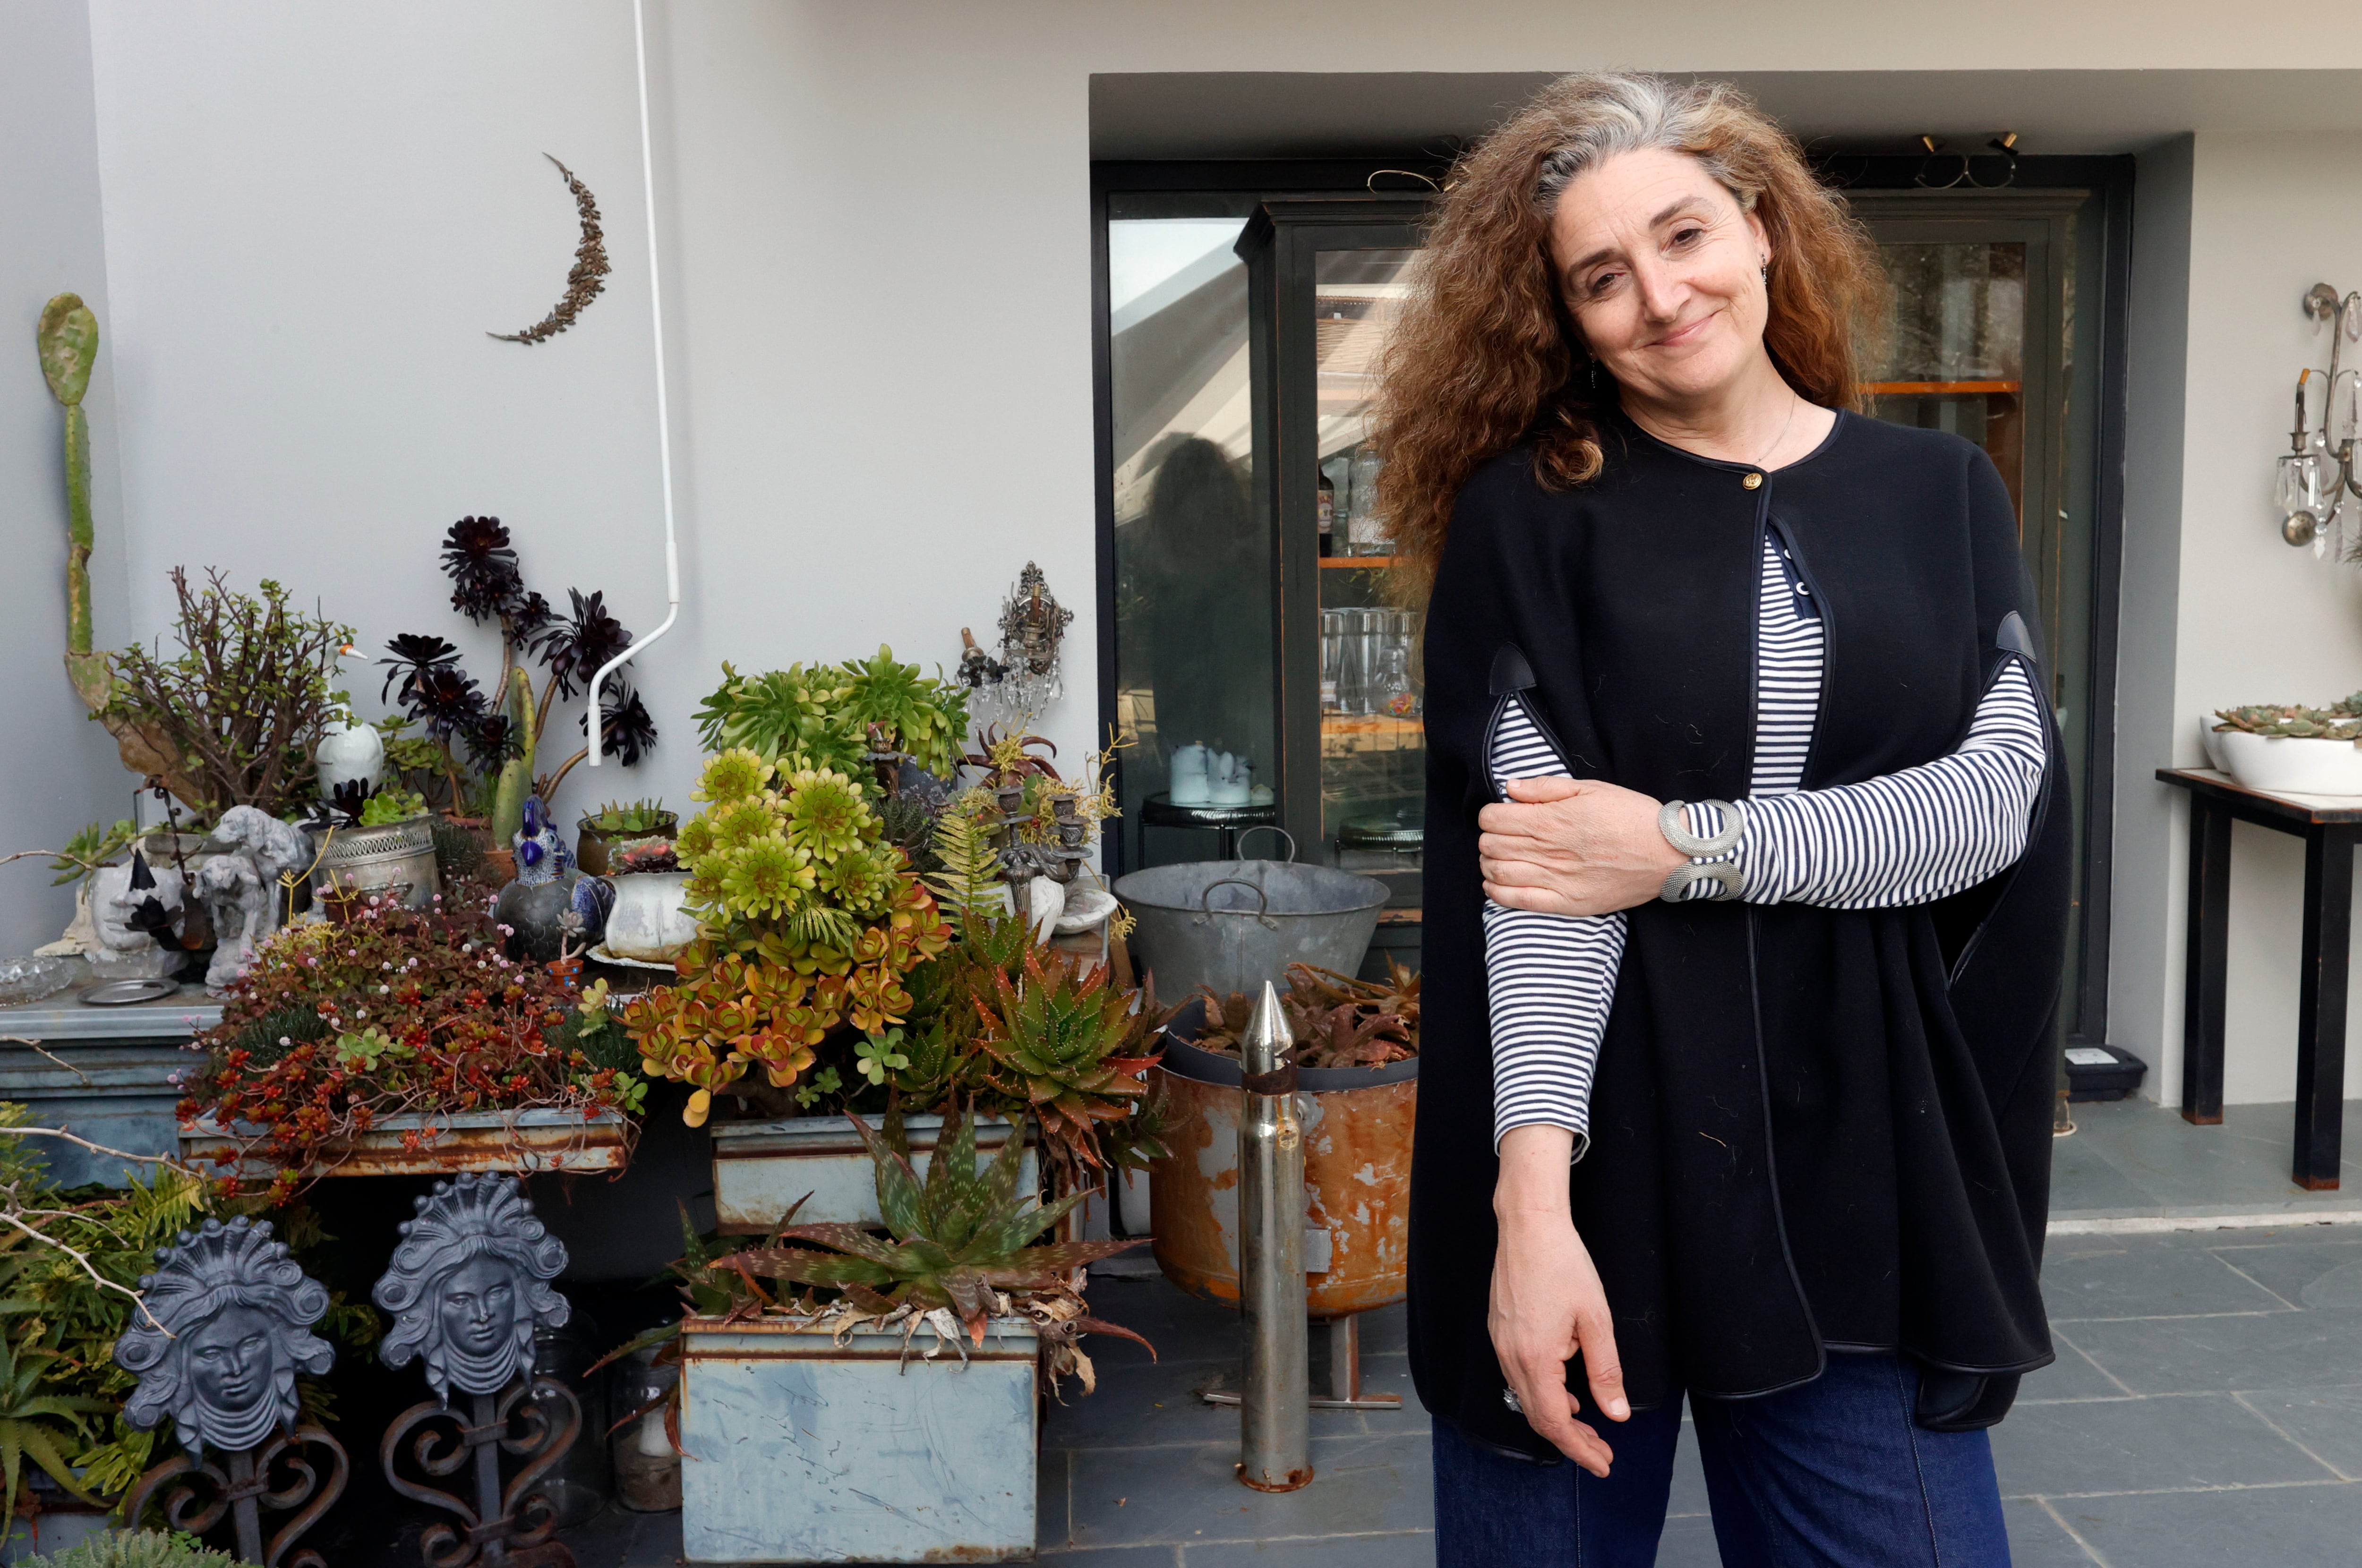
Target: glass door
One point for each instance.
(1327, 279)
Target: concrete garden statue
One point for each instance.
(469, 1283)
(240, 885)
(134, 908)
(466, 1288)
(227, 1325)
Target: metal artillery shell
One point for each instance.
(1274, 1415)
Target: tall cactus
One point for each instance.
(67, 342)
(515, 780)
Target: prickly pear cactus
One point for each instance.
(67, 339)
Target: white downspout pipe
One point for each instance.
(664, 414)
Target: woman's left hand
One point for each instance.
(1574, 846)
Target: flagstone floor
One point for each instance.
(2206, 1405)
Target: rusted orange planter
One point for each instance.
(1357, 1137)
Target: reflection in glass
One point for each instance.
(1956, 360)
(1194, 566)
(1373, 742)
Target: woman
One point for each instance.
(1747, 867)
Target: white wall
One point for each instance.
(2234, 614)
(57, 770)
(314, 216)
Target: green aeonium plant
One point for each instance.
(2340, 721)
(810, 920)
(834, 717)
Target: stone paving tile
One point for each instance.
(1688, 1542)
(2327, 1422)
(2239, 1165)
(2183, 1355)
(1415, 1549)
(2038, 1541)
(1140, 1405)
(2149, 1276)
(1141, 1495)
(2270, 1527)
(2143, 1445)
(2302, 1266)
(1114, 1557)
(2073, 1375)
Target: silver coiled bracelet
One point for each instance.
(1678, 881)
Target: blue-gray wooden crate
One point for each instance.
(803, 1451)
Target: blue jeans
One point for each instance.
(1832, 1473)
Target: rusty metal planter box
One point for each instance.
(520, 1141)
(761, 1168)
(800, 1450)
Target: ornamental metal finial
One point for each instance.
(227, 1327)
(469, 1283)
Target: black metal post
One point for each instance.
(2204, 980)
(2321, 1006)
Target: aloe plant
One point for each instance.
(1064, 1040)
(954, 1238)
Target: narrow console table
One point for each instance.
(107, 1073)
(2331, 828)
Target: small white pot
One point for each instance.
(2291, 765)
(648, 922)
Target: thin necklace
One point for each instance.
(1766, 457)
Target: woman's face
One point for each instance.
(1662, 273)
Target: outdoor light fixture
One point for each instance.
(2317, 473)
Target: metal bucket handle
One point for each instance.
(1263, 911)
(1238, 846)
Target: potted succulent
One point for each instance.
(405, 1042)
(809, 921)
(651, 922)
(1357, 1074)
(2291, 750)
(372, 843)
(615, 826)
(878, 1401)
(240, 709)
(478, 746)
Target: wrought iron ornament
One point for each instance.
(226, 1327)
(466, 1289)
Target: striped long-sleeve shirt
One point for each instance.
(1905, 838)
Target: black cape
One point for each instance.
(1810, 1129)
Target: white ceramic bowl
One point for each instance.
(2289, 765)
(2212, 743)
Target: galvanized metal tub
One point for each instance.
(1357, 1136)
(802, 1449)
(364, 858)
(1232, 924)
(761, 1168)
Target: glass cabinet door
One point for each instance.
(1327, 279)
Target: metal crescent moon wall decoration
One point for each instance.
(584, 282)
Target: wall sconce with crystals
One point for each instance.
(1011, 691)
(2317, 474)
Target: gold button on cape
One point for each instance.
(1753, 481)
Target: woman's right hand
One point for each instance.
(1547, 1303)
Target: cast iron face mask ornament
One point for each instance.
(466, 1288)
(226, 1327)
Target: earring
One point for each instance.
(1767, 269)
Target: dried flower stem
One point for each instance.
(583, 283)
